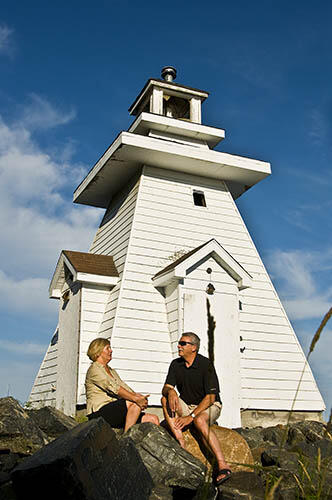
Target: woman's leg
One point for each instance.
(133, 412)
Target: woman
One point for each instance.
(108, 396)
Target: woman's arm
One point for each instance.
(135, 397)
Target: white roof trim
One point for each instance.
(217, 252)
(129, 151)
(149, 121)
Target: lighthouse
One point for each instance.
(172, 254)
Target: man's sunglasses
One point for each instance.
(183, 342)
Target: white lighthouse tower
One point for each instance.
(172, 254)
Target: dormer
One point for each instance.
(166, 98)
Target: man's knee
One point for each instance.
(201, 421)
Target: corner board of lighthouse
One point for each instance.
(172, 254)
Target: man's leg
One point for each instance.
(201, 423)
(170, 421)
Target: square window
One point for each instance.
(199, 199)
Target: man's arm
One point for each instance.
(171, 395)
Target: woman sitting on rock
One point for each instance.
(108, 396)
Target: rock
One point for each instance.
(242, 486)
(310, 449)
(161, 492)
(254, 436)
(287, 488)
(166, 461)
(52, 421)
(233, 445)
(312, 431)
(281, 458)
(85, 463)
(18, 433)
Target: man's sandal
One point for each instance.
(227, 474)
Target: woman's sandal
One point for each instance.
(227, 474)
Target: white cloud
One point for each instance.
(23, 347)
(40, 114)
(29, 296)
(6, 46)
(37, 221)
(299, 278)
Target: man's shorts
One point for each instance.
(213, 411)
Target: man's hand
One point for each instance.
(141, 400)
(173, 401)
(181, 422)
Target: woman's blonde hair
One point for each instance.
(96, 347)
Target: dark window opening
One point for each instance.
(55, 338)
(199, 199)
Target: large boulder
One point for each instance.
(167, 463)
(242, 485)
(234, 447)
(52, 421)
(18, 433)
(85, 463)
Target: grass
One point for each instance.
(310, 483)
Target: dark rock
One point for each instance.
(254, 437)
(288, 486)
(313, 431)
(161, 492)
(18, 433)
(166, 461)
(242, 486)
(276, 435)
(310, 449)
(7, 492)
(9, 460)
(52, 421)
(281, 458)
(85, 463)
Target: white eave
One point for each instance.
(130, 151)
(216, 251)
(149, 121)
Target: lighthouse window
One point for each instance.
(199, 199)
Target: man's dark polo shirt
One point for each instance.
(195, 382)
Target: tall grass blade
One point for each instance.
(319, 331)
(270, 494)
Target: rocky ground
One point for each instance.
(45, 454)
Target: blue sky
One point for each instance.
(68, 73)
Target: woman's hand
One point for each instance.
(141, 400)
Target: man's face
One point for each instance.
(188, 348)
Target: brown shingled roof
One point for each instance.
(92, 263)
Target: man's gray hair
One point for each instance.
(194, 338)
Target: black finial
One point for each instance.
(168, 73)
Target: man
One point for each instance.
(196, 380)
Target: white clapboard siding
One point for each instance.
(94, 300)
(43, 389)
(146, 227)
(167, 222)
(112, 239)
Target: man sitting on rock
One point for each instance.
(196, 380)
